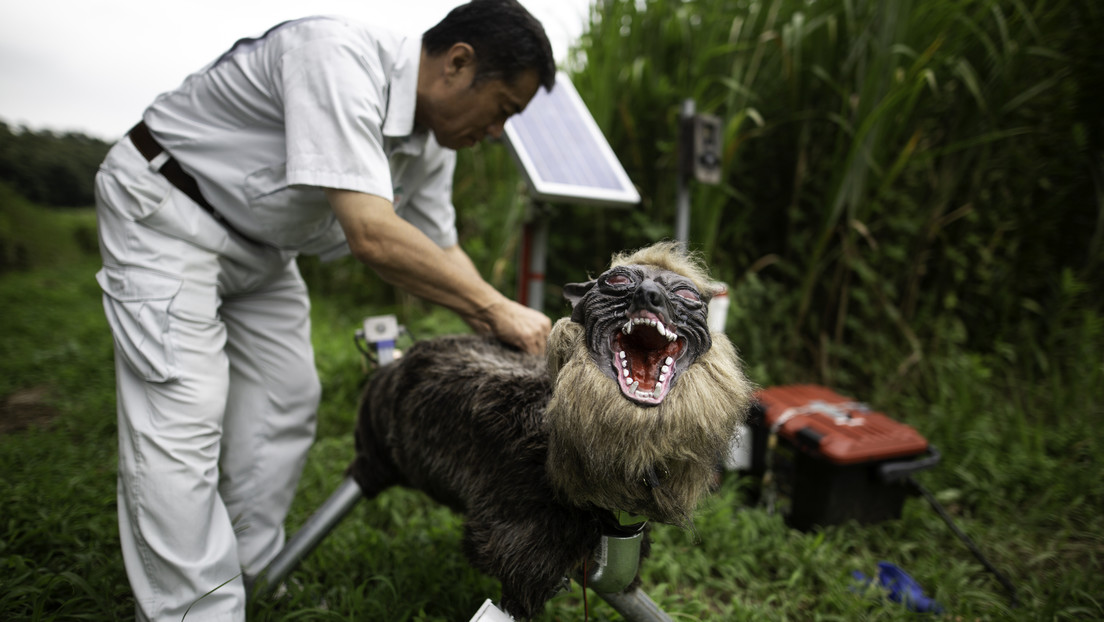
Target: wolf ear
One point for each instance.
(574, 292)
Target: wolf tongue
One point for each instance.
(645, 353)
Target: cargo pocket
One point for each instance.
(136, 303)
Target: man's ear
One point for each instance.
(574, 292)
(458, 59)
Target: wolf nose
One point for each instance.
(650, 296)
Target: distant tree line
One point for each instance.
(49, 168)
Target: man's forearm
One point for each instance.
(403, 256)
(462, 260)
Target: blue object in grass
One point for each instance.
(901, 588)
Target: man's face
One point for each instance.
(463, 113)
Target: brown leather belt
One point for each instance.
(150, 149)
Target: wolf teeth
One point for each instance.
(627, 328)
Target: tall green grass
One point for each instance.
(911, 213)
(896, 173)
(27, 239)
(1020, 474)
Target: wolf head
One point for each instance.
(645, 401)
(645, 322)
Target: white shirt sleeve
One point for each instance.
(429, 207)
(334, 104)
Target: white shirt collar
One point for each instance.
(403, 95)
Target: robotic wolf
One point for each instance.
(631, 412)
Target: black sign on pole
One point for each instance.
(708, 142)
(700, 145)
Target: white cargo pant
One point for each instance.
(216, 389)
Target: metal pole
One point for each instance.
(317, 527)
(686, 167)
(635, 606)
(538, 257)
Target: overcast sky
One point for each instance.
(93, 66)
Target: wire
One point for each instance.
(938, 507)
(362, 347)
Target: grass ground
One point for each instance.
(1021, 473)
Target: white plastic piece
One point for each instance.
(718, 310)
(739, 453)
(489, 613)
(381, 328)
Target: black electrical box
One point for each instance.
(824, 459)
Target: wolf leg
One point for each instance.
(532, 554)
(372, 466)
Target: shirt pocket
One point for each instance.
(136, 303)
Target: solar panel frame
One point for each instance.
(581, 170)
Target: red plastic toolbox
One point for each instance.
(833, 458)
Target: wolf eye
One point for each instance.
(618, 279)
(688, 294)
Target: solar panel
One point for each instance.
(563, 155)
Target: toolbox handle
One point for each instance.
(892, 472)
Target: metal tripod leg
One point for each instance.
(636, 606)
(318, 526)
(380, 332)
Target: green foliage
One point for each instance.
(892, 168)
(58, 488)
(490, 215)
(912, 213)
(48, 168)
(1020, 475)
(31, 237)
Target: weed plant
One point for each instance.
(910, 214)
(896, 174)
(1020, 475)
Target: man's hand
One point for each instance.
(505, 319)
(515, 324)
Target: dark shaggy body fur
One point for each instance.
(631, 411)
(476, 444)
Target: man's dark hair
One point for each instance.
(506, 38)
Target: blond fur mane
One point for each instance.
(602, 446)
(670, 256)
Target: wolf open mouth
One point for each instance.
(645, 353)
